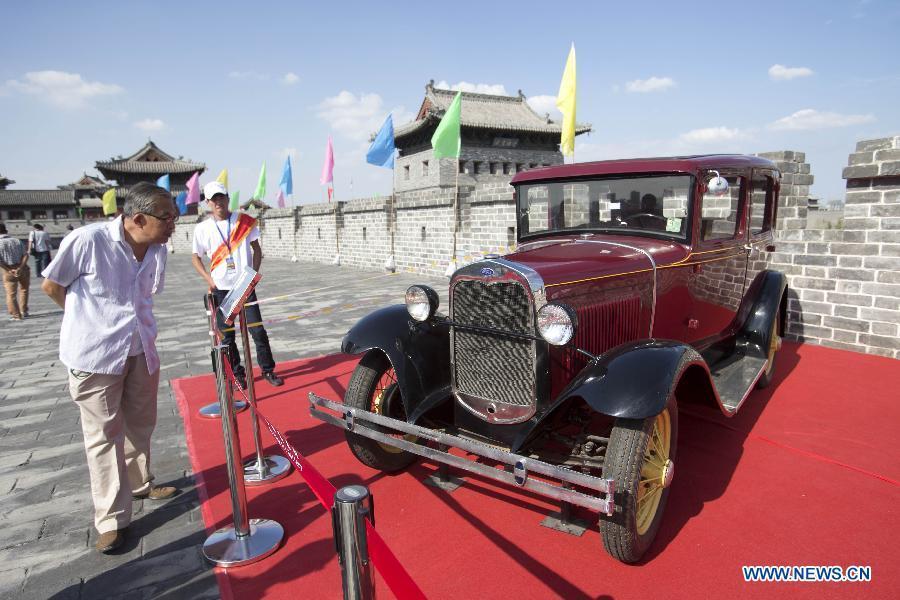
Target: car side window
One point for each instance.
(761, 194)
(719, 212)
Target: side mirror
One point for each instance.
(718, 185)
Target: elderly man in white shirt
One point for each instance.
(104, 277)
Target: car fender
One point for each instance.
(419, 353)
(769, 303)
(631, 381)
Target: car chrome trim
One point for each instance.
(488, 409)
(652, 263)
(518, 476)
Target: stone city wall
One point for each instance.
(844, 283)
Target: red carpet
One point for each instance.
(808, 473)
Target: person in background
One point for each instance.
(231, 241)
(16, 275)
(39, 245)
(104, 277)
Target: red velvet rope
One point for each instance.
(396, 577)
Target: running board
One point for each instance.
(361, 422)
(735, 379)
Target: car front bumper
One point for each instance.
(559, 483)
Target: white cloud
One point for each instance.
(710, 135)
(61, 89)
(782, 73)
(545, 104)
(357, 117)
(248, 75)
(809, 118)
(654, 84)
(290, 78)
(496, 89)
(149, 125)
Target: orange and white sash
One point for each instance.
(242, 228)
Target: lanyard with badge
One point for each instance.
(229, 260)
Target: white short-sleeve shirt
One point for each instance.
(210, 234)
(109, 298)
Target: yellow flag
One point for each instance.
(565, 101)
(109, 201)
(223, 178)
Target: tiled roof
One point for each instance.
(37, 197)
(85, 182)
(508, 113)
(148, 160)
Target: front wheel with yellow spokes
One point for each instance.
(373, 387)
(640, 458)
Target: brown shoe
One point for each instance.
(158, 493)
(109, 541)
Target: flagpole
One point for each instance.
(455, 209)
(337, 242)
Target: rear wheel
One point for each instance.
(774, 347)
(640, 459)
(373, 387)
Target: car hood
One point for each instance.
(568, 260)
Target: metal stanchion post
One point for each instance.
(249, 540)
(352, 504)
(260, 469)
(212, 411)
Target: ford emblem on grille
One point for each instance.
(487, 271)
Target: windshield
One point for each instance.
(656, 204)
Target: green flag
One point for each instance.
(260, 192)
(235, 201)
(445, 140)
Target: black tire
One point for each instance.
(627, 534)
(774, 345)
(373, 386)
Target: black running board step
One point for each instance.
(735, 378)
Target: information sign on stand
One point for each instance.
(234, 301)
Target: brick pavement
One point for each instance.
(46, 550)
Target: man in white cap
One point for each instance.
(231, 241)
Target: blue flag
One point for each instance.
(163, 182)
(181, 203)
(287, 179)
(381, 152)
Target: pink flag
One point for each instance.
(328, 167)
(193, 186)
(280, 198)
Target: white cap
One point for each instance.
(212, 188)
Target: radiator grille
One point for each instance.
(487, 365)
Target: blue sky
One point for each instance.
(233, 84)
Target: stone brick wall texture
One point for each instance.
(844, 282)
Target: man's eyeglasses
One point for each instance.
(169, 219)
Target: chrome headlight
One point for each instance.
(556, 323)
(421, 302)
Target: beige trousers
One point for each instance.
(118, 414)
(17, 291)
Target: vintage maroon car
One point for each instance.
(635, 285)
